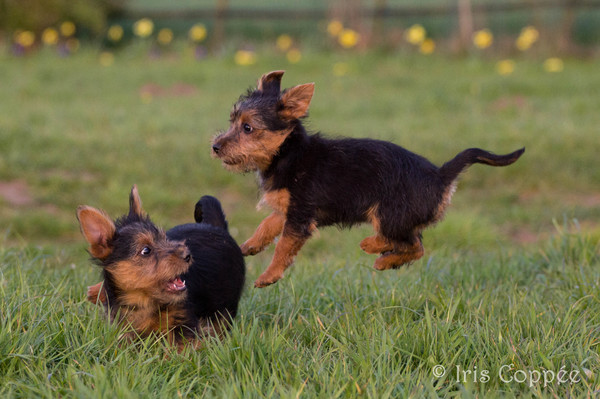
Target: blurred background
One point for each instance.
(98, 95)
(571, 26)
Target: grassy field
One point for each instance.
(510, 277)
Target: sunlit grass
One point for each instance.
(332, 328)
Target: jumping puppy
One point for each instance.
(310, 181)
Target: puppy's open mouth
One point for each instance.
(176, 285)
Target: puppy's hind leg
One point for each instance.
(401, 254)
(376, 245)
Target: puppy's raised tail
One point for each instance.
(208, 210)
(451, 169)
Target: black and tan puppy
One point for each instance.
(183, 284)
(310, 181)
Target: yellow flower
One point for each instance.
(348, 38)
(197, 33)
(143, 28)
(427, 47)
(106, 58)
(528, 36)
(531, 33)
(505, 67)
(67, 29)
(244, 57)
(415, 34)
(25, 38)
(340, 68)
(293, 56)
(165, 36)
(334, 27)
(72, 44)
(554, 65)
(115, 33)
(522, 43)
(284, 42)
(50, 36)
(483, 38)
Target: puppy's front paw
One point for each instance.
(266, 279)
(249, 249)
(96, 294)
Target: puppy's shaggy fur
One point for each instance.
(311, 181)
(184, 283)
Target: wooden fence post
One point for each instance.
(377, 29)
(465, 25)
(219, 28)
(565, 42)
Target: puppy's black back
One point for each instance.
(216, 277)
(344, 178)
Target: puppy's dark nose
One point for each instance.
(216, 148)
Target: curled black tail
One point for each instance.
(208, 210)
(451, 169)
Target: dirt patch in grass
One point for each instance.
(509, 103)
(525, 236)
(16, 193)
(175, 90)
(589, 200)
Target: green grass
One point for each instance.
(501, 282)
(333, 328)
(76, 132)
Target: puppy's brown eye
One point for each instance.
(247, 128)
(145, 251)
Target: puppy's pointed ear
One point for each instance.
(135, 203)
(270, 82)
(98, 229)
(295, 101)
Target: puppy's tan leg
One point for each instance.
(265, 233)
(375, 245)
(96, 294)
(287, 247)
(401, 254)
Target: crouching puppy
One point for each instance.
(183, 284)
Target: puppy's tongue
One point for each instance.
(176, 285)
